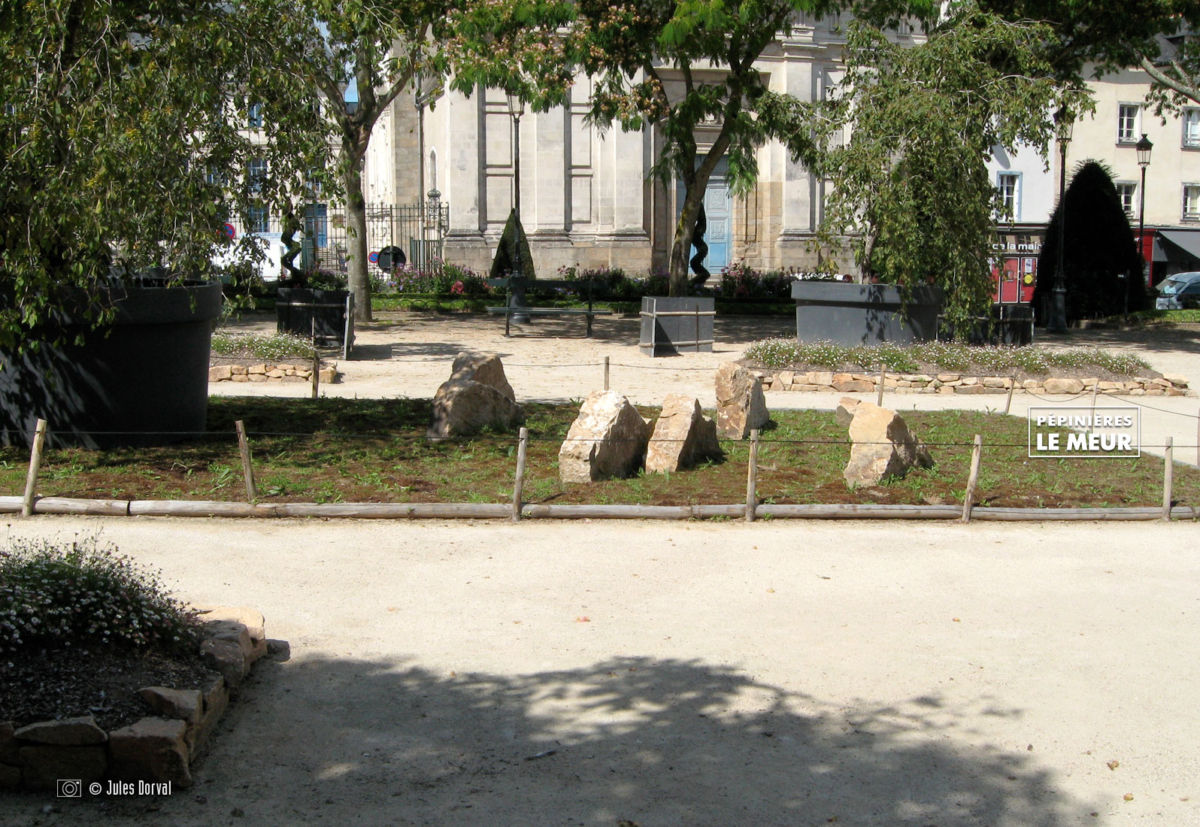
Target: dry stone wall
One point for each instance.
(958, 383)
(270, 372)
(153, 754)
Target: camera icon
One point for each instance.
(69, 788)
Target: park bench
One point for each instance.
(583, 288)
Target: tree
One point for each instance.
(673, 66)
(1102, 270)
(912, 196)
(118, 147)
(378, 47)
(1155, 35)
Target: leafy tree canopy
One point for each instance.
(911, 194)
(124, 149)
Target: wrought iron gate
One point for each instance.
(418, 230)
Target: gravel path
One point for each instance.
(608, 673)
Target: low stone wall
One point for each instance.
(151, 755)
(267, 372)
(957, 383)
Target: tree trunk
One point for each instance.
(356, 234)
(681, 247)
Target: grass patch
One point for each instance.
(366, 450)
(944, 356)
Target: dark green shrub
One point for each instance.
(57, 595)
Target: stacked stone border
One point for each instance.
(827, 381)
(271, 372)
(155, 753)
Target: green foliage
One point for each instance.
(912, 185)
(513, 253)
(275, 346)
(945, 356)
(123, 150)
(77, 594)
(1102, 270)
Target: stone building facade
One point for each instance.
(587, 196)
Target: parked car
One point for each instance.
(1179, 291)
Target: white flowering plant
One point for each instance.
(81, 593)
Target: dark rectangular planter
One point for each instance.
(319, 315)
(858, 314)
(681, 324)
(141, 381)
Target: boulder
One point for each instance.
(152, 749)
(845, 411)
(682, 437)
(882, 447)
(227, 658)
(741, 406)
(477, 395)
(607, 439)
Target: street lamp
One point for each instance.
(516, 108)
(1057, 323)
(1143, 155)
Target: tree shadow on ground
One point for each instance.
(634, 738)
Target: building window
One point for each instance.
(254, 116)
(258, 219)
(1191, 202)
(1009, 185)
(256, 174)
(1191, 128)
(1129, 116)
(1127, 192)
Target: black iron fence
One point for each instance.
(417, 231)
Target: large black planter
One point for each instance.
(676, 325)
(322, 316)
(858, 314)
(142, 381)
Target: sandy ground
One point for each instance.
(599, 673)
(688, 674)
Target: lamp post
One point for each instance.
(1057, 323)
(516, 108)
(1143, 157)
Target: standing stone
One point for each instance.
(683, 436)
(882, 447)
(741, 406)
(477, 395)
(607, 439)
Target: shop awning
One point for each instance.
(1186, 240)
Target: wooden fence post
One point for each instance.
(316, 373)
(882, 377)
(606, 373)
(972, 479)
(1012, 386)
(519, 482)
(752, 477)
(35, 463)
(1168, 478)
(247, 468)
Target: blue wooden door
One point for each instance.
(718, 211)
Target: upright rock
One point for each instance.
(477, 395)
(683, 436)
(607, 439)
(741, 406)
(882, 446)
